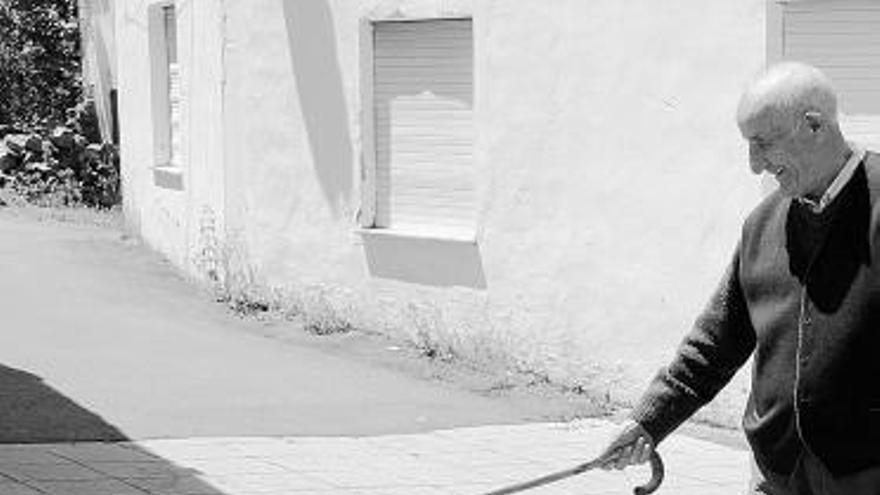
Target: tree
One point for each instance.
(40, 74)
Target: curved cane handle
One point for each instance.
(657, 473)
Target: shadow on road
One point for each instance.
(33, 412)
(51, 444)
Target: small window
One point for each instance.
(423, 126)
(166, 88)
(842, 38)
(173, 83)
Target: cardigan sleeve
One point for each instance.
(719, 343)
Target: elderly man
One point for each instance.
(802, 293)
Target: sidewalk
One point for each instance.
(461, 461)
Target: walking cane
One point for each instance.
(657, 473)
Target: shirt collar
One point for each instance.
(836, 186)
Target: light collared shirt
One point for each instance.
(837, 184)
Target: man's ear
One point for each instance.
(814, 120)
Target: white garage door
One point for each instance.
(423, 110)
(841, 37)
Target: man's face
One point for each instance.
(779, 150)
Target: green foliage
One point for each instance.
(51, 152)
(64, 167)
(40, 75)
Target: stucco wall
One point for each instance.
(185, 221)
(613, 181)
(618, 177)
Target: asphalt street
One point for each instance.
(101, 339)
(98, 331)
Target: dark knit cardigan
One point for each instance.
(803, 293)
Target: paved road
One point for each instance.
(99, 332)
(100, 340)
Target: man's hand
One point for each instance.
(631, 445)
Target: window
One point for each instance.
(173, 82)
(166, 89)
(422, 116)
(841, 37)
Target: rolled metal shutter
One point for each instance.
(423, 110)
(841, 37)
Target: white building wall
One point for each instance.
(155, 212)
(618, 177)
(613, 180)
(186, 222)
(206, 186)
(98, 50)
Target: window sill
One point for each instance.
(168, 177)
(465, 236)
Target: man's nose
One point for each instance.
(757, 162)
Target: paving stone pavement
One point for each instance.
(462, 461)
